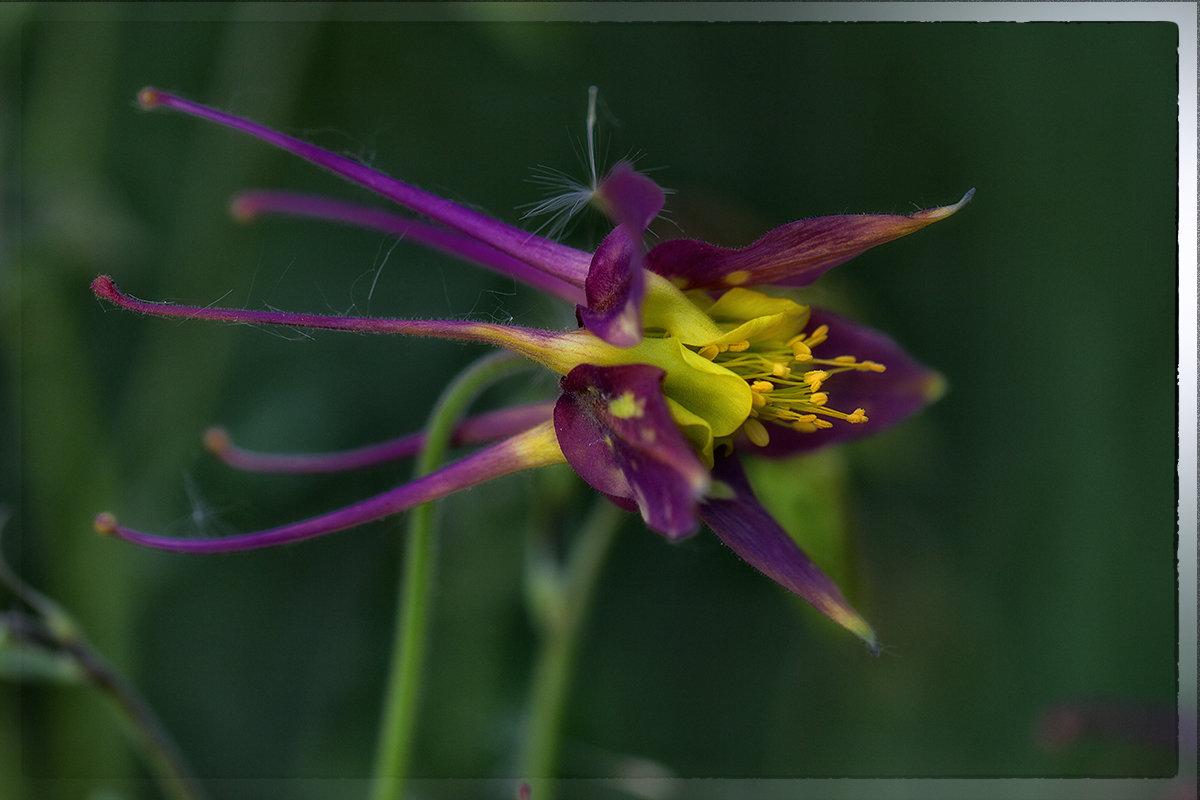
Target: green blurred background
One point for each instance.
(1014, 546)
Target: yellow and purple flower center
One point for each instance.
(787, 382)
(769, 344)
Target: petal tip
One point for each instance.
(941, 212)
(859, 627)
(620, 330)
(936, 387)
(675, 530)
(966, 198)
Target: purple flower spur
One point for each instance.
(677, 365)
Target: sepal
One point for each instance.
(795, 254)
(750, 531)
(616, 283)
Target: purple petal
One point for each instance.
(888, 398)
(615, 283)
(536, 447)
(615, 431)
(614, 289)
(795, 254)
(248, 205)
(629, 197)
(474, 430)
(750, 531)
(565, 263)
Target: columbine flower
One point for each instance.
(675, 367)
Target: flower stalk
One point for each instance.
(559, 644)
(54, 632)
(401, 703)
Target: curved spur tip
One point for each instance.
(148, 98)
(105, 524)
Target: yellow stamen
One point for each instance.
(814, 378)
(780, 393)
(859, 415)
(756, 432)
(801, 351)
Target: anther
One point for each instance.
(822, 423)
(762, 386)
(710, 351)
(814, 378)
(801, 351)
(148, 98)
(739, 347)
(757, 400)
(818, 398)
(756, 432)
(859, 415)
(845, 359)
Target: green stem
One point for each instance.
(53, 630)
(398, 724)
(167, 763)
(556, 657)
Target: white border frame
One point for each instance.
(1184, 16)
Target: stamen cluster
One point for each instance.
(787, 382)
